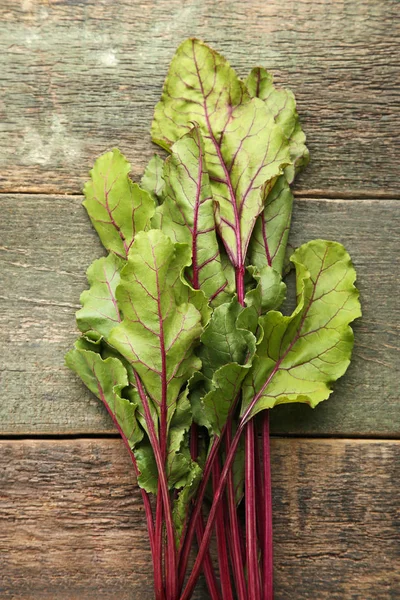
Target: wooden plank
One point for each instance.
(73, 526)
(47, 245)
(80, 77)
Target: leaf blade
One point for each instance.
(152, 180)
(117, 207)
(157, 334)
(106, 379)
(300, 356)
(100, 313)
(202, 87)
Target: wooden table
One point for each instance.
(80, 76)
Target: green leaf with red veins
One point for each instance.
(200, 87)
(300, 356)
(270, 235)
(100, 313)
(184, 292)
(186, 214)
(281, 104)
(158, 334)
(152, 180)
(117, 207)
(226, 352)
(106, 379)
(268, 243)
(253, 152)
(244, 147)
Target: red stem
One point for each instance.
(259, 490)
(223, 561)
(208, 567)
(185, 550)
(159, 544)
(240, 284)
(236, 550)
(253, 575)
(268, 541)
(187, 544)
(218, 493)
(171, 566)
(161, 456)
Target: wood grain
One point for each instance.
(73, 526)
(47, 245)
(81, 76)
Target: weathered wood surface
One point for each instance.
(81, 76)
(72, 524)
(47, 245)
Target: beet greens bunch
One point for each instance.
(182, 339)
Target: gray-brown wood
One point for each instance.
(47, 245)
(73, 527)
(79, 77)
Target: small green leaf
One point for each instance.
(281, 104)
(179, 460)
(269, 292)
(182, 503)
(238, 471)
(152, 180)
(300, 356)
(100, 312)
(226, 352)
(158, 333)
(106, 379)
(117, 207)
(252, 153)
(146, 463)
(269, 239)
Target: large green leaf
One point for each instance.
(158, 333)
(117, 207)
(106, 379)
(100, 313)
(245, 149)
(301, 355)
(268, 243)
(186, 214)
(200, 86)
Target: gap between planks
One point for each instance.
(312, 194)
(112, 436)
